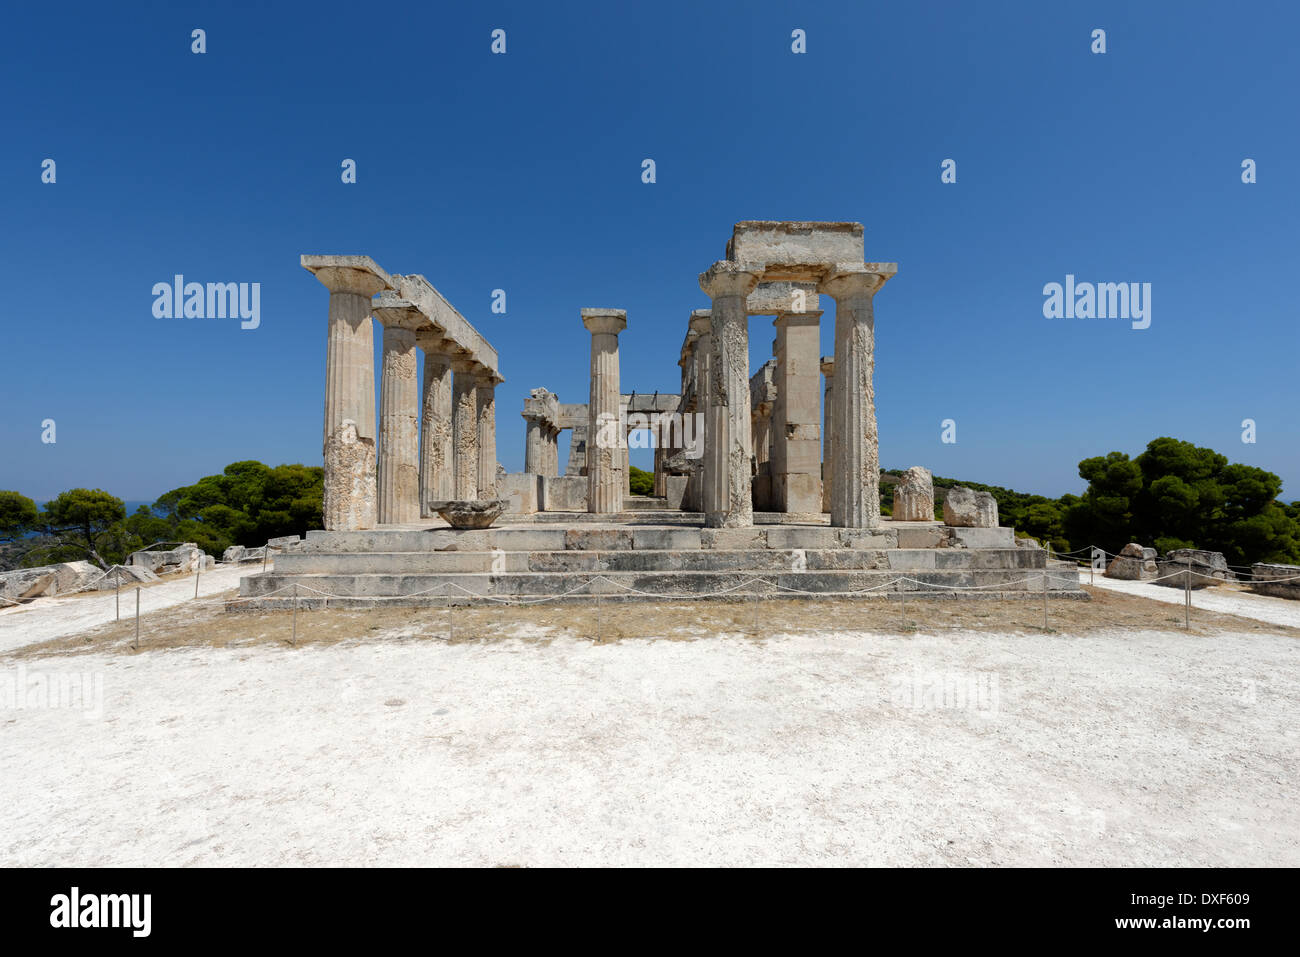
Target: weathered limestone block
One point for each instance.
(76, 576)
(522, 489)
(1205, 569)
(1133, 563)
(186, 558)
(564, 493)
(914, 496)
(238, 553)
(1273, 580)
(349, 496)
(24, 584)
(966, 508)
(128, 575)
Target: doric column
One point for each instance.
(605, 461)
(701, 324)
(464, 411)
(399, 434)
(855, 488)
(552, 451)
(536, 445)
(728, 501)
(828, 433)
(437, 482)
(485, 411)
(796, 436)
(349, 432)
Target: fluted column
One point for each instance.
(464, 405)
(399, 436)
(552, 451)
(437, 483)
(828, 433)
(694, 499)
(855, 486)
(348, 442)
(728, 501)
(535, 447)
(485, 409)
(605, 458)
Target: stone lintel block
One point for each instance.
(355, 274)
(787, 243)
(782, 299)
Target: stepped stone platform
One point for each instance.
(659, 556)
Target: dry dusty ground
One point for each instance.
(777, 733)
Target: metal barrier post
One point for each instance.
(1044, 598)
(137, 617)
(117, 586)
(1187, 596)
(294, 640)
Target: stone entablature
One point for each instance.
(436, 437)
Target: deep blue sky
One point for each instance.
(523, 172)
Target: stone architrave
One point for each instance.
(728, 500)
(605, 459)
(486, 416)
(966, 508)
(348, 441)
(437, 483)
(914, 496)
(464, 403)
(855, 490)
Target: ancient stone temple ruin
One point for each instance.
(766, 481)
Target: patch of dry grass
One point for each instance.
(207, 625)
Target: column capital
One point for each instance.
(727, 278)
(359, 275)
(854, 279)
(604, 321)
(464, 364)
(828, 366)
(397, 313)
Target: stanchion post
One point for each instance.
(198, 571)
(137, 617)
(294, 641)
(1044, 598)
(902, 603)
(1187, 596)
(117, 588)
(266, 553)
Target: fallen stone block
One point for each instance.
(1133, 563)
(1194, 568)
(966, 508)
(1270, 579)
(914, 496)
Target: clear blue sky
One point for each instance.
(522, 172)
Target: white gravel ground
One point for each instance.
(1266, 608)
(1128, 748)
(47, 618)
